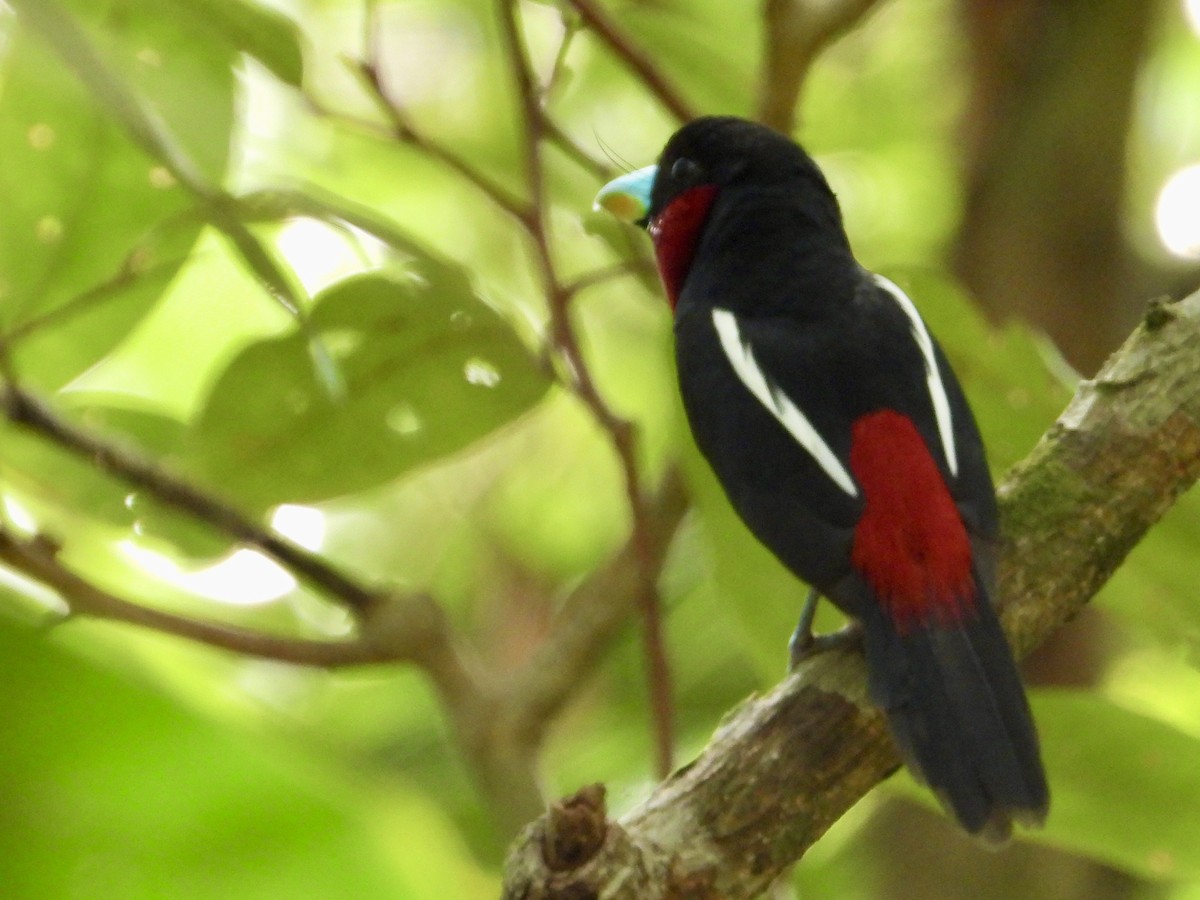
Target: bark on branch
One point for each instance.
(783, 767)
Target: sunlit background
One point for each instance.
(134, 764)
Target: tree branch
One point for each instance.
(500, 723)
(503, 737)
(23, 409)
(795, 32)
(402, 128)
(37, 558)
(782, 768)
(638, 61)
(622, 433)
(591, 616)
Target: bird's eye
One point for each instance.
(685, 170)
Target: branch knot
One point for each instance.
(574, 829)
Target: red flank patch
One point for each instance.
(910, 544)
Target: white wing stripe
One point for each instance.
(776, 401)
(937, 390)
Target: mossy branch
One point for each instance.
(784, 767)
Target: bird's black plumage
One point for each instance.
(844, 441)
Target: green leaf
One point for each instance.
(1114, 777)
(1155, 588)
(429, 368)
(83, 205)
(1123, 786)
(267, 35)
(114, 792)
(314, 202)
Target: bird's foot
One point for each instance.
(805, 645)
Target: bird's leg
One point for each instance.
(802, 639)
(805, 644)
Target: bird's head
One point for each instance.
(710, 158)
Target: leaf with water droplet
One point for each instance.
(80, 202)
(65, 487)
(404, 420)
(481, 372)
(431, 369)
(267, 35)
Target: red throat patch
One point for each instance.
(910, 544)
(676, 232)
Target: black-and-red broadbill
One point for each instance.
(843, 440)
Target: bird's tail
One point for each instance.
(958, 712)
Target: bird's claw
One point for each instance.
(806, 645)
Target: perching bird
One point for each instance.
(843, 440)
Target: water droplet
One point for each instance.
(1161, 862)
(138, 527)
(297, 401)
(404, 420)
(41, 136)
(481, 372)
(341, 342)
(130, 500)
(161, 178)
(460, 320)
(49, 229)
(416, 279)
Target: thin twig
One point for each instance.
(410, 626)
(369, 70)
(622, 433)
(572, 148)
(630, 268)
(127, 275)
(403, 129)
(559, 67)
(37, 558)
(592, 614)
(22, 408)
(635, 58)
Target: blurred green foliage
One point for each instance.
(443, 456)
